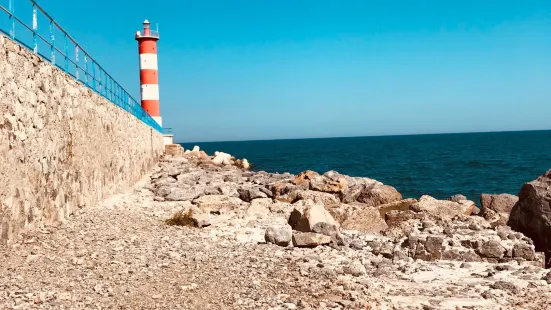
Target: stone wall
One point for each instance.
(62, 146)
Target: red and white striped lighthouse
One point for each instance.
(149, 76)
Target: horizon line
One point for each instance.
(368, 136)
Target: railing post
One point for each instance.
(76, 61)
(100, 85)
(35, 28)
(11, 18)
(52, 42)
(94, 75)
(66, 50)
(86, 69)
(126, 104)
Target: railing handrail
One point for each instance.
(108, 86)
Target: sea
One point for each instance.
(440, 165)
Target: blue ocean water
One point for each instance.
(438, 165)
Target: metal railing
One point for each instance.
(152, 33)
(66, 54)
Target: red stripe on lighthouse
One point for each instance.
(148, 47)
(148, 76)
(151, 107)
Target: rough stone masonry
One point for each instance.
(62, 146)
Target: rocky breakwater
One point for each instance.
(356, 241)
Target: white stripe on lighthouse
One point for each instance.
(148, 61)
(150, 92)
(158, 119)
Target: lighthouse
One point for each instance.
(149, 71)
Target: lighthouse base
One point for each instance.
(168, 139)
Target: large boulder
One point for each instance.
(326, 199)
(402, 223)
(356, 186)
(330, 182)
(531, 215)
(402, 205)
(284, 191)
(377, 195)
(312, 217)
(303, 178)
(221, 158)
(502, 203)
(496, 208)
(352, 193)
(367, 220)
(443, 209)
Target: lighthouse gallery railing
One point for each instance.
(56, 46)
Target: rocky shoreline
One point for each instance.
(357, 215)
(206, 232)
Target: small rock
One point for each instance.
(525, 251)
(248, 194)
(201, 219)
(505, 286)
(280, 235)
(310, 240)
(355, 269)
(457, 198)
(503, 267)
(492, 249)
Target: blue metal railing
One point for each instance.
(73, 59)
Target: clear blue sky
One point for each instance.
(240, 70)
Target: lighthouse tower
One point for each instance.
(149, 77)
